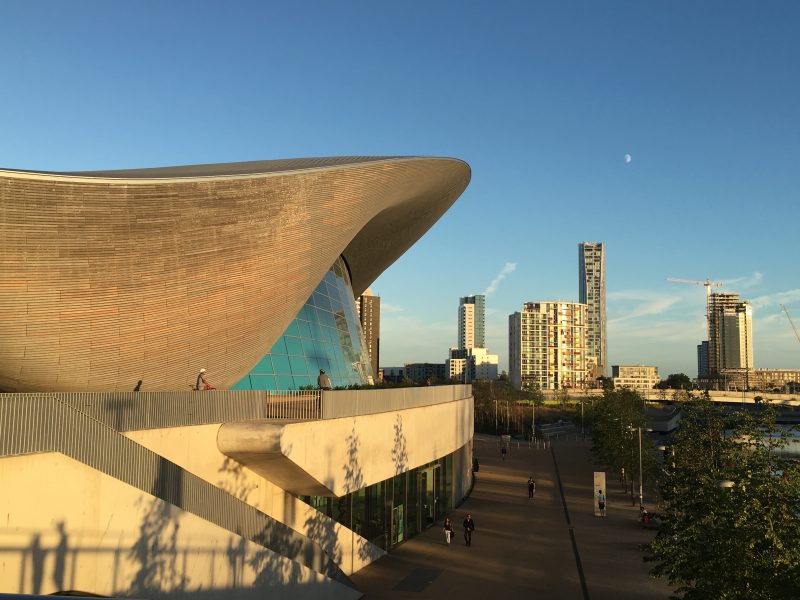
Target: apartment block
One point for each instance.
(547, 346)
(640, 378)
(592, 293)
(730, 333)
(472, 322)
(368, 308)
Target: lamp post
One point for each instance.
(641, 487)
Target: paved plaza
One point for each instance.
(526, 548)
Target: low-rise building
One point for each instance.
(422, 372)
(640, 378)
(765, 380)
(471, 364)
(393, 374)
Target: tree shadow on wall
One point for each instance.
(155, 551)
(274, 569)
(322, 530)
(235, 482)
(353, 477)
(399, 452)
(354, 481)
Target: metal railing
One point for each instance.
(349, 403)
(131, 411)
(301, 405)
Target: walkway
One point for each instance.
(524, 548)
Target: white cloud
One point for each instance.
(746, 282)
(650, 308)
(507, 269)
(388, 309)
(776, 298)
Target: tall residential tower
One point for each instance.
(730, 333)
(368, 308)
(592, 293)
(471, 322)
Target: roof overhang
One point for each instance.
(110, 277)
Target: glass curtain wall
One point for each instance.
(390, 512)
(326, 334)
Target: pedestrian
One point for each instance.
(202, 383)
(448, 530)
(469, 527)
(323, 381)
(601, 502)
(503, 452)
(531, 486)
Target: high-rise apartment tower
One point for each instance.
(471, 322)
(592, 293)
(547, 346)
(369, 313)
(730, 333)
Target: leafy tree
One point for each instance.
(615, 442)
(675, 381)
(732, 542)
(607, 383)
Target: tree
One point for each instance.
(615, 442)
(606, 383)
(675, 381)
(729, 541)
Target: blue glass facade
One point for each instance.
(326, 334)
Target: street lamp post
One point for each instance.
(641, 487)
(583, 435)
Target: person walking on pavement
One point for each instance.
(503, 451)
(448, 530)
(469, 527)
(531, 486)
(601, 502)
(323, 381)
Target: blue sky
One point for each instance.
(543, 100)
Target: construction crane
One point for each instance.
(708, 283)
(788, 316)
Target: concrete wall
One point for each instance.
(337, 456)
(350, 453)
(69, 527)
(195, 449)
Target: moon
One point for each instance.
(628, 158)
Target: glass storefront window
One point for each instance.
(390, 512)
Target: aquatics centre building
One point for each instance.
(112, 280)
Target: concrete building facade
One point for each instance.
(547, 346)
(640, 378)
(730, 331)
(702, 359)
(368, 307)
(472, 322)
(592, 293)
(251, 271)
(763, 380)
(422, 372)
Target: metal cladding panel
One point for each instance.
(109, 278)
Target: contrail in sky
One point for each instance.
(507, 269)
